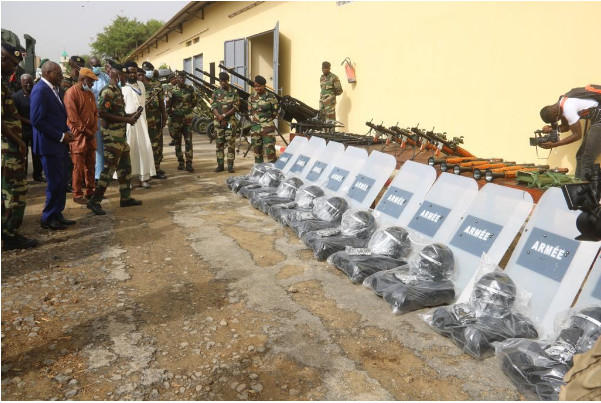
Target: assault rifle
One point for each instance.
(404, 138)
(479, 172)
(290, 108)
(440, 141)
(432, 161)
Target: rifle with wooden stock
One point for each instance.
(491, 175)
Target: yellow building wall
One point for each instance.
(481, 70)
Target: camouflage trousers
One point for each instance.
(327, 112)
(180, 127)
(225, 136)
(14, 193)
(263, 139)
(155, 133)
(116, 158)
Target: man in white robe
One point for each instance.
(134, 94)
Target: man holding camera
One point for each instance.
(111, 109)
(579, 103)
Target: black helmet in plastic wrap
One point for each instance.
(435, 262)
(289, 187)
(330, 209)
(306, 196)
(358, 223)
(392, 241)
(494, 292)
(588, 321)
(258, 170)
(272, 178)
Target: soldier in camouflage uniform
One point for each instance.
(156, 116)
(14, 184)
(330, 89)
(182, 100)
(76, 63)
(263, 109)
(111, 109)
(224, 103)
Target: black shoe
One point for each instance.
(130, 202)
(230, 168)
(160, 172)
(18, 242)
(40, 179)
(189, 168)
(161, 176)
(54, 225)
(65, 221)
(180, 166)
(172, 143)
(95, 207)
(69, 188)
(219, 168)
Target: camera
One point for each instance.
(540, 138)
(585, 197)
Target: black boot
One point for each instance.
(219, 168)
(189, 167)
(181, 166)
(230, 167)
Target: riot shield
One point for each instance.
(370, 180)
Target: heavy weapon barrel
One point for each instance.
(492, 174)
(247, 80)
(241, 93)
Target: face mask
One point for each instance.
(96, 70)
(149, 73)
(85, 87)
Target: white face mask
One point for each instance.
(149, 73)
(85, 87)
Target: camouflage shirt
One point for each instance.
(153, 111)
(330, 88)
(263, 108)
(223, 101)
(10, 117)
(182, 100)
(110, 100)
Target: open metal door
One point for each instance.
(276, 58)
(235, 52)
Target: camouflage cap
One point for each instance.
(14, 53)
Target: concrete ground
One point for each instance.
(198, 296)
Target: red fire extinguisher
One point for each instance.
(350, 70)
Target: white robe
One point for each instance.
(142, 161)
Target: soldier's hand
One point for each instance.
(22, 149)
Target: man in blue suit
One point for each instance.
(51, 137)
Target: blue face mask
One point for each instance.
(149, 73)
(96, 70)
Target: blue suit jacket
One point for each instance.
(49, 120)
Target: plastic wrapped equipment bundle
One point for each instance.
(355, 230)
(235, 183)
(327, 213)
(424, 282)
(285, 193)
(267, 184)
(386, 250)
(487, 317)
(303, 201)
(538, 368)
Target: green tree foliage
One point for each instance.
(123, 36)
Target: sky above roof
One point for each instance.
(71, 26)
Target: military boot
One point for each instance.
(230, 167)
(219, 168)
(189, 167)
(180, 166)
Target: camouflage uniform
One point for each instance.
(330, 88)
(153, 118)
(263, 108)
(223, 101)
(183, 101)
(116, 149)
(14, 185)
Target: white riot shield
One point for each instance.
(488, 226)
(443, 207)
(302, 161)
(284, 162)
(323, 163)
(346, 169)
(408, 188)
(590, 295)
(370, 180)
(548, 262)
